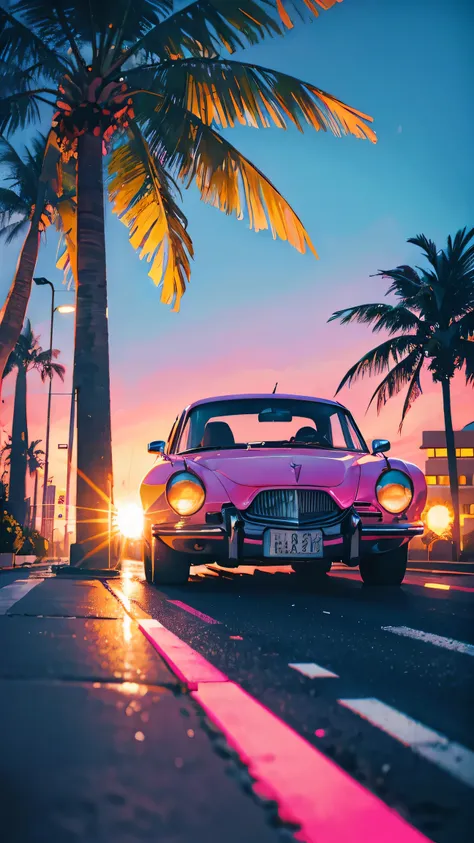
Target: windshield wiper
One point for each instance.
(213, 448)
(284, 444)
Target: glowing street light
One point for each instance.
(439, 519)
(130, 520)
(62, 308)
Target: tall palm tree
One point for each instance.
(431, 325)
(27, 355)
(27, 206)
(34, 462)
(149, 85)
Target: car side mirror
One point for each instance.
(380, 446)
(156, 447)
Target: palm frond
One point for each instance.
(228, 92)
(18, 110)
(225, 178)
(428, 248)
(142, 198)
(204, 27)
(379, 359)
(381, 316)
(18, 41)
(10, 205)
(10, 232)
(405, 281)
(413, 392)
(47, 368)
(67, 224)
(398, 377)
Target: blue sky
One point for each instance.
(256, 310)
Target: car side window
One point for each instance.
(171, 436)
(339, 440)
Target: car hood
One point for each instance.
(243, 473)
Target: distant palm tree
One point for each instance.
(146, 81)
(431, 325)
(27, 355)
(27, 204)
(34, 460)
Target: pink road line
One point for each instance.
(310, 789)
(192, 611)
(189, 666)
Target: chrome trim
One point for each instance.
(188, 532)
(296, 507)
(393, 530)
(234, 523)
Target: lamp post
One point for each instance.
(62, 308)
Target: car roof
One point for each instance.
(264, 395)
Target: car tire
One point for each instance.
(147, 562)
(170, 568)
(385, 568)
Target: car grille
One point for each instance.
(297, 505)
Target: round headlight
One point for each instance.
(394, 491)
(185, 493)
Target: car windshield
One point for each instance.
(269, 423)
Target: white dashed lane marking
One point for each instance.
(10, 594)
(450, 756)
(313, 671)
(437, 640)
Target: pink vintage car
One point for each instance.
(277, 480)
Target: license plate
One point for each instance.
(303, 544)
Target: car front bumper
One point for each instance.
(239, 541)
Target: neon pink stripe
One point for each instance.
(332, 541)
(189, 666)
(192, 611)
(253, 541)
(309, 788)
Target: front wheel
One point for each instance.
(147, 562)
(170, 567)
(385, 568)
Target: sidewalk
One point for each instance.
(100, 742)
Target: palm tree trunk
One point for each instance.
(18, 458)
(91, 362)
(452, 465)
(13, 311)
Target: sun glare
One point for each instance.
(130, 520)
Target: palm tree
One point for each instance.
(27, 204)
(149, 86)
(34, 461)
(432, 324)
(27, 355)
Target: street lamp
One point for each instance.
(62, 308)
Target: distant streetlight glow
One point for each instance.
(66, 308)
(439, 519)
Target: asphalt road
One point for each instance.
(380, 681)
(268, 622)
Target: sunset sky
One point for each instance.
(256, 310)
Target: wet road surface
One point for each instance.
(378, 681)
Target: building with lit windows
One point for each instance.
(436, 471)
